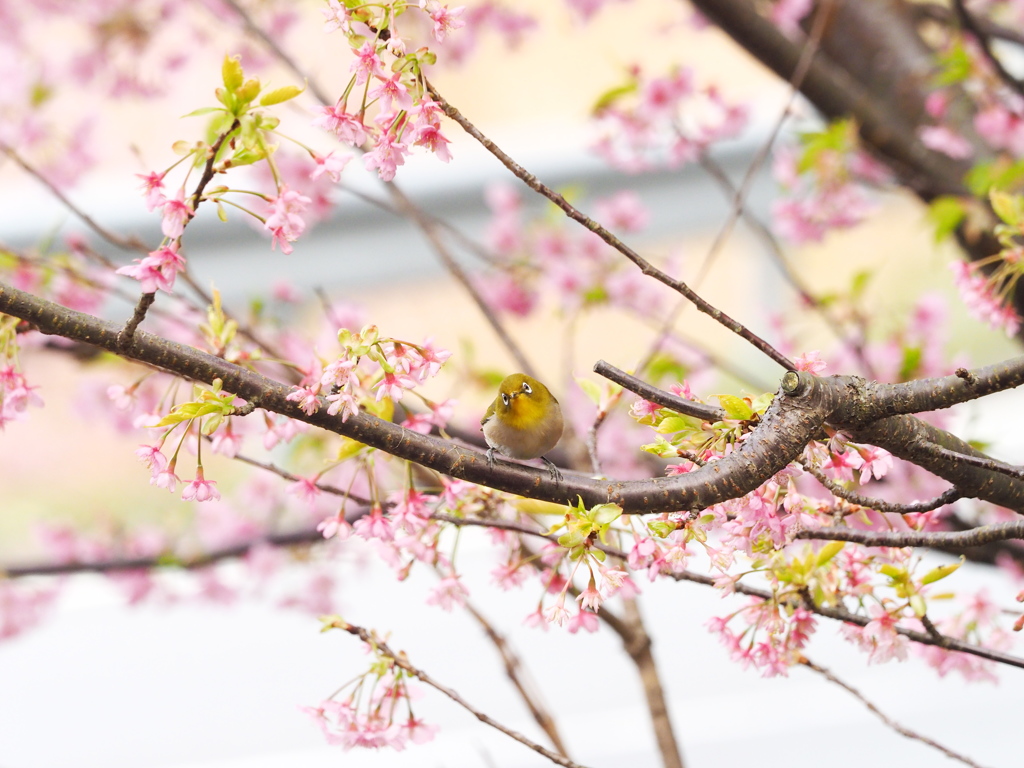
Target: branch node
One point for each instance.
(968, 376)
(126, 337)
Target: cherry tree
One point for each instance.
(808, 504)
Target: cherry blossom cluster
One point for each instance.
(987, 285)
(390, 79)
(16, 394)
(825, 180)
(376, 710)
(400, 366)
(651, 122)
(534, 255)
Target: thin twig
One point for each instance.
(400, 660)
(900, 729)
(821, 15)
(946, 497)
(658, 396)
(429, 229)
(974, 537)
(968, 23)
(982, 462)
(576, 215)
(131, 244)
(515, 671)
(837, 613)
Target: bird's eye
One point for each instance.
(504, 398)
(526, 388)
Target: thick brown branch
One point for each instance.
(784, 431)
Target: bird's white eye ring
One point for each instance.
(526, 388)
(504, 398)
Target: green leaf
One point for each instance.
(661, 448)
(674, 424)
(661, 528)
(936, 574)
(590, 389)
(946, 213)
(606, 514)
(912, 357)
(761, 402)
(954, 66)
(918, 604)
(248, 91)
(612, 95)
(231, 72)
(279, 95)
(1009, 208)
(202, 111)
(735, 407)
(829, 551)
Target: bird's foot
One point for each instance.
(556, 475)
(490, 458)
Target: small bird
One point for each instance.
(523, 422)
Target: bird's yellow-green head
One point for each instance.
(522, 402)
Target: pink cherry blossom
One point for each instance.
(335, 526)
(349, 128)
(153, 186)
(284, 220)
(387, 154)
(336, 16)
(308, 398)
(367, 63)
(151, 456)
(945, 140)
(429, 135)
(176, 214)
(445, 20)
(585, 620)
(391, 92)
(393, 385)
(201, 489)
(448, 593)
(331, 164)
(375, 525)
(165, 478)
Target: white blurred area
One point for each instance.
(196, 684)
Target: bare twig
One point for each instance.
(658, 396)
(947, 497)
(131, 244)
(982, 462)
(900, 729)
(576, 215)
(972, 538)
(516, 673)
(429, 229)
(968, 22)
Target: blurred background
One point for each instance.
(188, 680)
